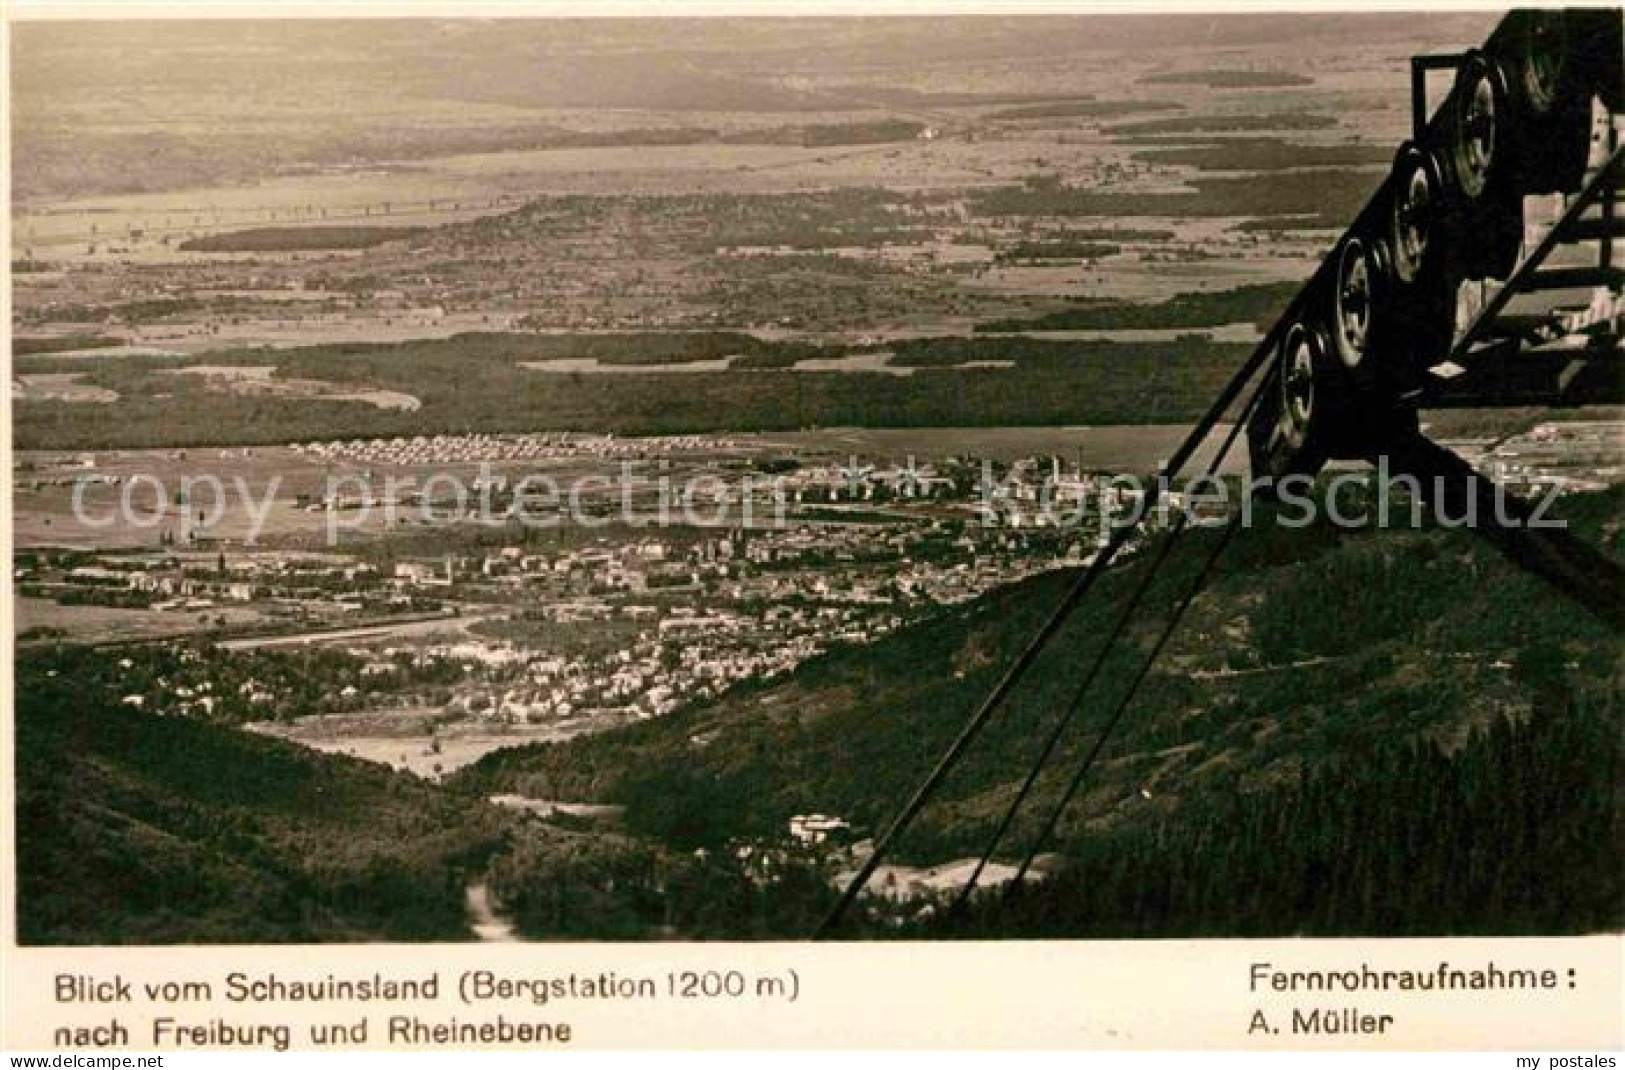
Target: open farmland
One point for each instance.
(569, 479)
(915, 180)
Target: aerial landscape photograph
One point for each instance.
(663, 479)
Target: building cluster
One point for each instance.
(622, 627)
(684, 657)
(298, 589)
(475, 448)
(1564, 457)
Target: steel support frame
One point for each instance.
(1519, 528)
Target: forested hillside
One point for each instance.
(1516, 833)
(133, 828)
(1338, 708)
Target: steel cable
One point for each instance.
(1124, 618)
(978, 720)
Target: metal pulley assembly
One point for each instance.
(1390, 324)
(1419, 310)
(1413, 211)
(1474, 127)
(1370, 335)
(1541, 53)
(1302, 358)
(1556, 61)
(1351, 324)
(1484, 205)
(1300, 426)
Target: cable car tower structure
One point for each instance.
(1482, 272)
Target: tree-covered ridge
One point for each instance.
(1516, 833)
(133, 828)
(1256, 303)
